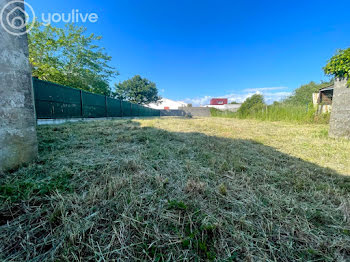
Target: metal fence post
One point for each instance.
(106, 107)
(81, 104)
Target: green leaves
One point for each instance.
(137, 90)
(251, 104)
(68, 57)
(302, 96)
(339, 65)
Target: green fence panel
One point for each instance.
(114, 107)
(126, 107)
(143, 111)
(156, 113)
(135, 110)
(94, 105)
(57, 101)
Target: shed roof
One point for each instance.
(328, 88)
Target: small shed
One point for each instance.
(326, 95)
(323, 99)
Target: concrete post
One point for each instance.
(18, 141)
(340, 115)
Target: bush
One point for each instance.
(296, 108)
(251, 105)
(302, 96)
(219, 113)
(299, 114)
(339, 65)
(278, 112)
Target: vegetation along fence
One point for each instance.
(57, 101)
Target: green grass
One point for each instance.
(222, 113)
(172, 189)
(294, 114)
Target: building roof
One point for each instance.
(328, 88)
(218, 101)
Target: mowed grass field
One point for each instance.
(175, 189)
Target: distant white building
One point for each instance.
(167, 104)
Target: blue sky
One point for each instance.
(195, 50)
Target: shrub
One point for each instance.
(302, 96)
(339, 64)
(279, 112)
(219, 113)
(299, 114)
(251, 105)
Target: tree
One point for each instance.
(67, 56)
(251, 104)
(137, 90)
(303, 95)
(234, 103)
(339, 65)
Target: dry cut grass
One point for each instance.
(179, 190)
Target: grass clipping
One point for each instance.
(133, 191)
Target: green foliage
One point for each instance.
(296, 108)
(219, 113)
(234, 103)
(67, 56)
(223, 189)
(250, 105)
(35, 184)
(177, 205)
(302, 96)
(137, 90)
(280, 112)
(104, 184)
(339, 65)
(289, 113)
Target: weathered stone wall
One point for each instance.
(196, 111)
(172, 112)
(340, 116)
(187, 111)
(18, 142)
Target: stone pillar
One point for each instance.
(340, 115)
(18, 141)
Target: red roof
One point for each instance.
(219, 101)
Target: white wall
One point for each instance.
(229, 107)
(164, 102)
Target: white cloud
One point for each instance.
(278, 96)
(267, 92)
(265, 89)
(198, 100)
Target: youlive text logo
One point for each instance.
(18, 17)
